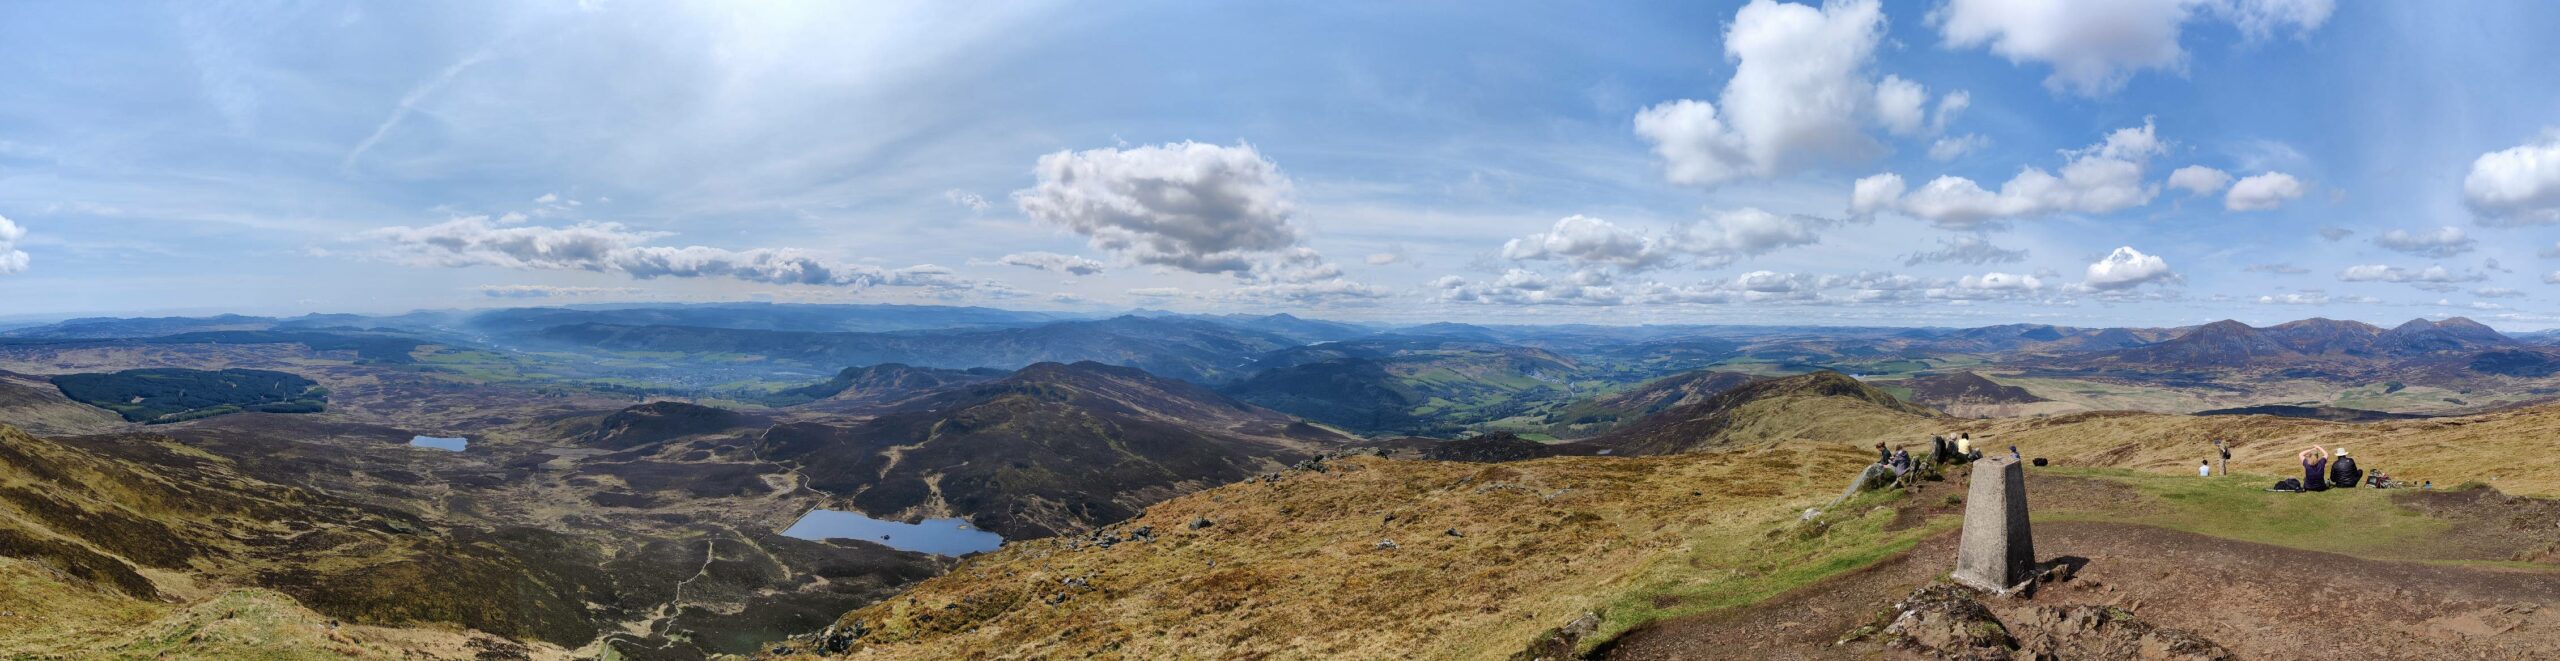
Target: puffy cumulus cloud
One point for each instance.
(1586, 241)
(1902, 106)
(2095, 47)
(1801, 94)
(12, 260)
(2262, 192)
(2388, 273)
(1191, 206)
(1725, 237)
(550, 291)
(1967, 249)
(2441, 243)
(1526, 287)
(611, 248)
(2103, 178)
(2199, 180)
(1050, 261)
(2518, 185)
(2127, 268)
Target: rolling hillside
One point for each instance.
(1052, 449)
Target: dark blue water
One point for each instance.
(441, 443)
(953, 537)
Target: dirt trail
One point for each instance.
(2259, 601)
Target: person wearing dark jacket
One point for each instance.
(2315, 464)
(2343, 473)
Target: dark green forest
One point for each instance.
(167, 395)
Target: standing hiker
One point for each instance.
(2225, 448)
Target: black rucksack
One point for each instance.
(2288, 484)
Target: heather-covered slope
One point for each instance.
(1822, 407)
(1051, 449)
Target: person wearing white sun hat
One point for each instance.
(2343, 473)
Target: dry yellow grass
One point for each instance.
(2511, 450)
(1295, 568)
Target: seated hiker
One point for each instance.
(2204, 468)
(1938, 447)
(1964, 448)
(2343, 473)
(1899, 460)
(1883, 456)
(2013, 453)
(2315, 466)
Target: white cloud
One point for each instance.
(1901, 105)
(2442, 243)
(967, 200)
(2300, 298)
(2094, 47)
(1586, 241)
(1801, 94)
(2278, 269)
(2127, 268)
(1949, 107)
(1967, 249)
(2199, 180)
(2262, 192)
(2552, 278)
(1722, 238)
(1953, 147)
(610, 248)
(2517, 186)
(2000, 282)
(2103, 178)
(1192, 206)
(12, 260)
(1725, 237)
(550, 291)
(2387, 273)
(1384, 258)
(1050, 261)
(2496, 292)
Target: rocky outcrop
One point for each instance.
(1952, 622)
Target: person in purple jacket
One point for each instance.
(2315, 468)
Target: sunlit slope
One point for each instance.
(2512, 450)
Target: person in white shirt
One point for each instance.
(2204, 468)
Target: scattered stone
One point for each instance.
(1876, 476)
(1810, 513)
(1945, 621)
(1202, 522)
(1562, 642)
(1387, 545)
(1143, 534)
(1453, 532)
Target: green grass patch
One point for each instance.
(1727, 571)
(2358, 522)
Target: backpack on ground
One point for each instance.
(2288, 484)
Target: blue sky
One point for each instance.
(1842, 163)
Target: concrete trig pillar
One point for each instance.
(1997, 550)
